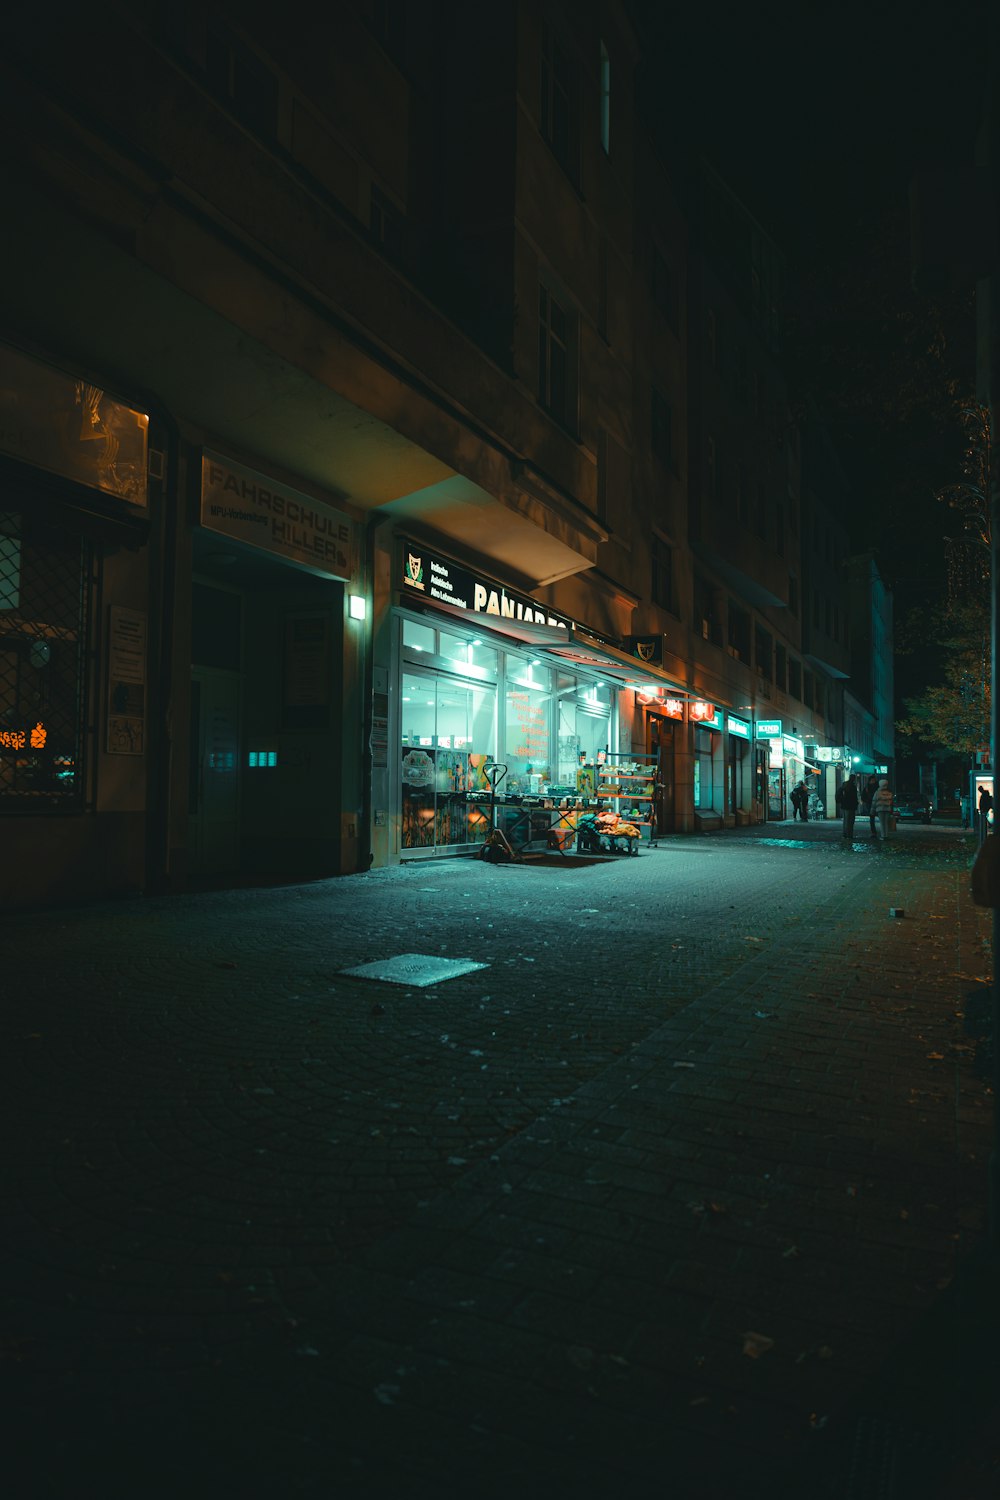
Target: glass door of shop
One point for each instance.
(661, 744)
(448, 733)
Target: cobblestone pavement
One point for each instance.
(642, 1207)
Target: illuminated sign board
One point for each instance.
(24, 739)
(425, 575)
(769, 729)
(248, 507)
(673, 708)
(792, 746)
(705, 715)
(65, 425)
(739, 727)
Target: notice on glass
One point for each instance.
(126, 681)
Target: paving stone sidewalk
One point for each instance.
(649, 1205)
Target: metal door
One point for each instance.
(214, 784)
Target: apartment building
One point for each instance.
(368, 420)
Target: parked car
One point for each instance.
(918, 809)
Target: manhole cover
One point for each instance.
(417, 969)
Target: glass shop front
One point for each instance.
(471, 699)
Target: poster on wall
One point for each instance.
(126, 681)
(306, 686)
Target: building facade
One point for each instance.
(365, 428)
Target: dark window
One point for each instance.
(739, 633)
(742, 496)
(662, 428)
(808, 689)
(760, 513)
(241, 80)
(662, 287)
(45, 611)
(795, 679)
(605, 98)
(779, 529)
(764, 651)
(556, 353)
(706, 611)
(559, 103)
(387, 20)
(661, 556)
(386, 223)
(793, 595)
(780, 667)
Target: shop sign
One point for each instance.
(428, 576)
(738, 727)
(705, 715)
(792, 746)
(69, 427)
(827, 755)
(654, 697)
(250, 508)
(648, 648)
(24, 739)
(769, 729)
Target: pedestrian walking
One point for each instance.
(882, 806)
(800, 801)
(847, 802)
(795, 797)
(868, 802)
(985, 806)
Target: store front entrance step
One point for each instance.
(416, 969)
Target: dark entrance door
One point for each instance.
(660, 743)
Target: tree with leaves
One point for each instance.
(952, 716)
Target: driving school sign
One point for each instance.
(250, 508)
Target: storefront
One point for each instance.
(486, 677)
(709, 771)
(740, 777)
(75, 672)
(787, 766)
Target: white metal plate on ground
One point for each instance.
(417, 969)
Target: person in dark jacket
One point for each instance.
(868, 801)
(800, 802)
(847, 801)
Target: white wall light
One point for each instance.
(357, 608)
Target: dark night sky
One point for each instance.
(818, 116)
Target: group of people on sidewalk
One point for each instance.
(875, 801)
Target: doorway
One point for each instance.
(660, 744)
(214, 782)
(448, 733)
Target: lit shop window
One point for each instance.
(261, 760)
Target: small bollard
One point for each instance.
(897, 911)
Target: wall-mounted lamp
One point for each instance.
(357, 607)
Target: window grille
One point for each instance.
(45, 603)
